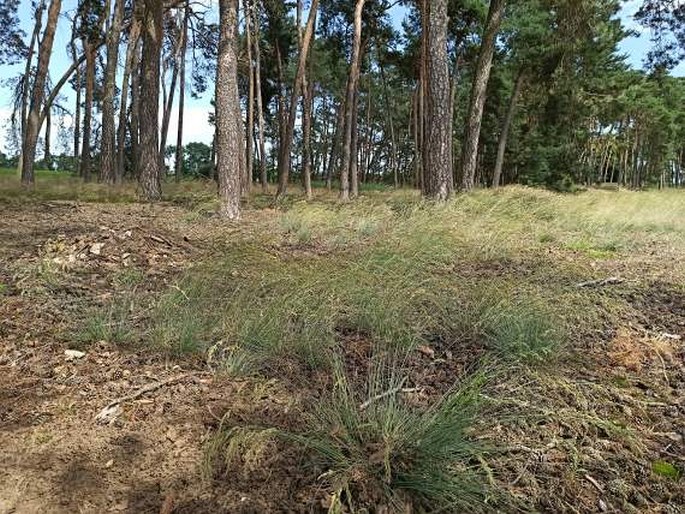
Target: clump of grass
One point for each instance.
(237, 446)
(522, 331)
(374, 450)
(110, 324)
(128, 278)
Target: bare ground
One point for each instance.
(59, 261)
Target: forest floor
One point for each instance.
(226, 344)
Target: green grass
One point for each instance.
(490, 277)
(378, 450)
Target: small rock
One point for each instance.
(96, 248)
(426, 350)
(109, 463)
(603, 506)
(73, 354)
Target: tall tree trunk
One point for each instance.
(86, 158)
(47, 156)
(230, 144)
(178, 160)
(284, 160)
(30, 137)
(134, 119)
(133, 37)
(504, 134)
(169, 104)
(260, 107)
(350, 103)
(438, 152)
(150, 172)
(25, 91)
(108, 167)
(307, 102)
(338, 135)
(469, 157)
(389, 114)
(77, 118)
(354, 150)
(249, 139)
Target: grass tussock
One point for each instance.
(374, 449)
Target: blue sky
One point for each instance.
(197, 128)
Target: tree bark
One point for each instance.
(438, 152)
(284, 160)
(249, 150)
(178, 160)
(307, 102)
(354, 150)
(389, 114)
(338, 136)
(38, 25)
(230, 144)
(108, 168)
(86, 158)
(260, 107)
(350, 103)
(504, 134)
(481, 76)
(134, 118)
(133, 37)
(47, 156)
(77, 109)
(150, 161)
(30, 137)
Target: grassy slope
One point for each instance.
(389, 291)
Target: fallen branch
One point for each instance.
(113, 409)
(390, 392)
(601, 282)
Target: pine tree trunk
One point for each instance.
(504, 134)
(86, 158)
(438, 151)
(26, 79)
(307, 102)
(229, 136)
(390, 111)
(150, 169)
(47, 156)
(108, 171)
(469, 158)
(284, 161)
(338, 134)
(249, 139)
(77, 118)
(134, 119)
(133, 37)
(169, 104)
(350, 104)
(30, 137)
(354, 150)
(178, 160)
(260, 107)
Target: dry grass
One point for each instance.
(582, 382)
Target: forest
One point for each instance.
(411, 256)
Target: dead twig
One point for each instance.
(594, 483)
(390, 392)
(601, 282)
(113, 409)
